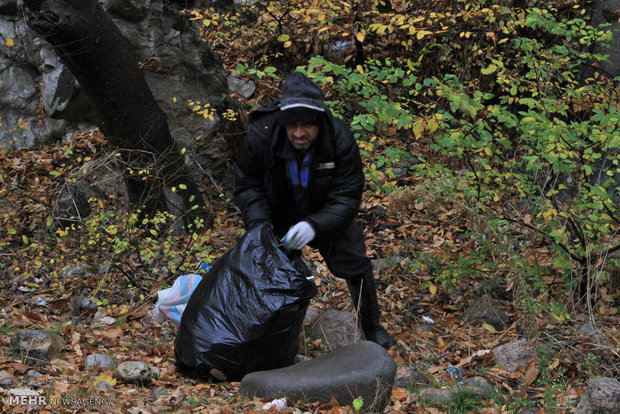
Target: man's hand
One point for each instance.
(299, 235)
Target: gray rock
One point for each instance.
(602, 396)
(161, 391)
(513, 355)
(474, 385)
(34, 374)
(6, 379)
(478, 385)
(336, 329)
(101, 360)
(136, 372)
(436, 395)
(244, 88)
(488, 310)
(363, 369)
(301, 358)
(80, 304)
(311, 316)
(131, 10)
(589, 329)
(73, 271)
(37, 346)
(177, 63)
(102, 385)
(407, 376)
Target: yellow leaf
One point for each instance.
(105, 377)
(283, 38)
(488, 327)
(418, 127)
(422, 33)
(432, 289)
(360, 36)
(549, 214)
(9, 42)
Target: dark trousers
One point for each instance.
(345, 255)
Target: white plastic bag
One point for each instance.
(171, 302)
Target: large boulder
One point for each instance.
(363, 370)
(42, 102)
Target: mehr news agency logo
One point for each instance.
(33, 400)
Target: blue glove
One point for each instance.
(298, 236)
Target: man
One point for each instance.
(300, 169)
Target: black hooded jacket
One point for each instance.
(336, 177)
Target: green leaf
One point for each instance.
(358, 403)
(488, 70)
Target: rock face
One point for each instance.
(36, 346)
(364, 367)
(40, 101)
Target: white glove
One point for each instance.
(299, 235)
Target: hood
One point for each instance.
(300, 91)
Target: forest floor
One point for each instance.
(51, 279)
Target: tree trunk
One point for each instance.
(101, 59)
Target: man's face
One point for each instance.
(301, 135)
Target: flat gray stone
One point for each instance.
(363, 370)
(336, 329)
(513, 355)
(101, 360)
(436, 395)
(37, 346)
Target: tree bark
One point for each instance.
(101, 59)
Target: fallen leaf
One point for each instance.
(113, 333)
(530, 374)
(19, 367)
(489, 327)
(217, 374)
(105, 377)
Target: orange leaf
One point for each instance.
(113, 333)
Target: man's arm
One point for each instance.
(250, 194)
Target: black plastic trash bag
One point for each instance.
(246, 314)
